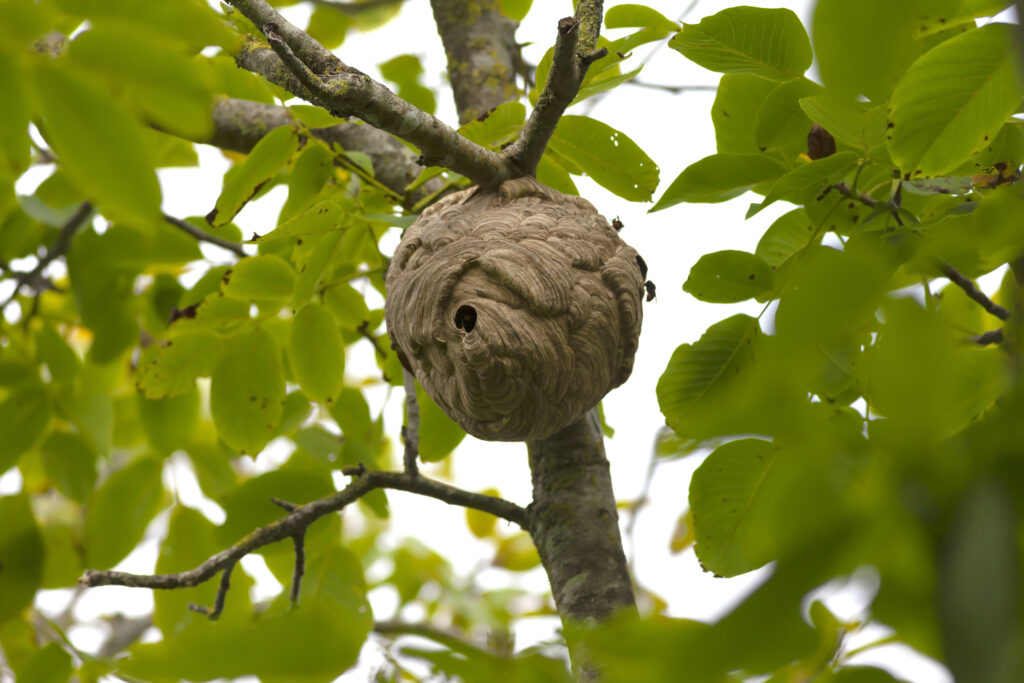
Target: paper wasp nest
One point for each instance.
(517, 309)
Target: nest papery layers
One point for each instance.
(517, 309)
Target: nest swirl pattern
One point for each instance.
(517, 309)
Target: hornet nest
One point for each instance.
(517, 309)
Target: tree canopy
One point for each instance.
(865, 426)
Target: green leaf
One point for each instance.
(787, 236)
(626, 16)
(780, 120)
(21, 556)
(952, 100)
(601, 85)
(15, 150)
(700, 374)
(858, 124)
(159, 76)
(169, 422)
(119, 511)
(313, 168)
(246, 391)
(735, 110)
(24, 416)
(190, 541)
(766, 42)
(70, 462)
(347, 305)
(244, 180)
(609, 157)
(317, 353)
(320, 218)
(811, 177)
(264, 278)
(555, 176)
(498, 126)
(515, 9)
(98, 143)
(171, 368)
(62, 362)
(720, 177)
(314, 117)
(439, 434)
(722, 497)
(49, 665)
(729, 276)
(405, 72)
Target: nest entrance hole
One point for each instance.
(465, 318)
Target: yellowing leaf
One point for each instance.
(260, 278)
(517, 553)
(264, 161)
(482, 524)
(247, 390)
(317, 353)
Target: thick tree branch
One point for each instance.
(964, 283)
(348, 92)
(479, 42)
(59, 247)
(203, 236)
(296, 522)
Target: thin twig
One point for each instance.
(411, 429)
(990, 337)
(364, 329)
(297, 521)
(59, 247)
(222, 593)
(203, 236)
(450, 639)
(569, 64)
(299, 541)
(965, 283)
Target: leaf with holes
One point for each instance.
(609, 157)
(729, 276)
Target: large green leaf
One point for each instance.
(627, 16)
(700, 374)
(313, 167)
(243, 181)
(21, 555)
(729, 276)
(70, 462)
(119, 511)
(735, 111)
(780, 120)
(317, 353)
(14, 118)
(249, 504)
(98, 143)
(723, 492)
(720, 177)
(51, 664)
(952, 100)
(787, 236)
(498, 126)
(24, 416)
(246, 391)
(609, 157)
(766, 42)
(161, 78)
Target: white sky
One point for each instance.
(675, 130)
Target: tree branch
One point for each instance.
(297, 521)
(348, 92)
(411, 429)
(202, 236)
(59, 247)
(964, 283)
(482, 54)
